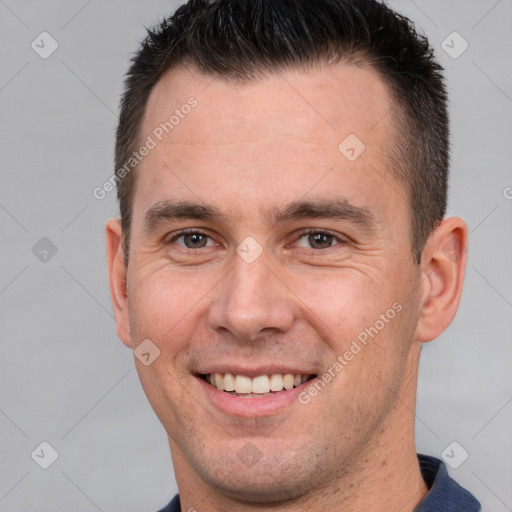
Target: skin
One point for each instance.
(247, 149)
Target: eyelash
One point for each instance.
(301, 234)
(187, 232)
(313, 231)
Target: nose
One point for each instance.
(251, 301)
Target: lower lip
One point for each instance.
(251, 407)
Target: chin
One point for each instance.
(274, 479)
(270, 489)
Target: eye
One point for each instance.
(317, 240)
(192, 240)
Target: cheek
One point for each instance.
(365, 321)
(165, 305)
(166, 309)
(341, 306)
(167, 395)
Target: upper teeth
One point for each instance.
(261, 384)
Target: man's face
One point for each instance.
(294, 247)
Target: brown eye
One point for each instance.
(320, 240)
(195, 240)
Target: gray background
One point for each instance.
(66, 379)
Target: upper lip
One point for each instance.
(254, 371)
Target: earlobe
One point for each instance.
(117, 278)
(443, 268)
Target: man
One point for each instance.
(282, 252)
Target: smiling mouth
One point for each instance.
(260, 386)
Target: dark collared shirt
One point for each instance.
(445, 494)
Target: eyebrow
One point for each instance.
(165, 211)
(336, 209)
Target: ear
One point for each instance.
(443, 267)
(117, 279)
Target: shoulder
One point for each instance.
(445, 493)
(173, 506)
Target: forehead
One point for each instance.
(333, 98)
(271, 140)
